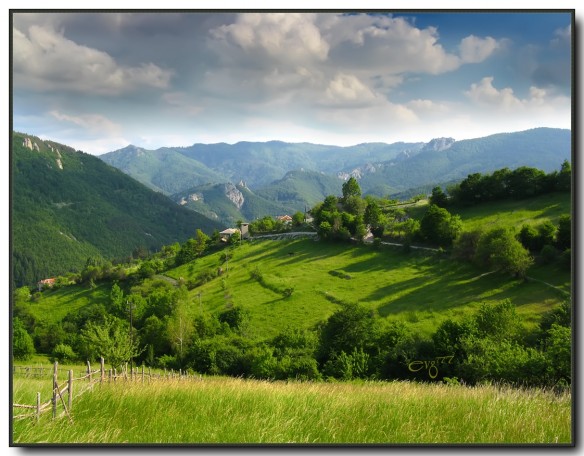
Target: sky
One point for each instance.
(99, 81)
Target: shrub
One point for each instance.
(63, 353)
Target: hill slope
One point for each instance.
(228, 203)
(542, 148)
(68, 206)
(164, 170)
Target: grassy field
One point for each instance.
(218, 410)
(422, 288)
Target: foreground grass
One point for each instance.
(223, 410)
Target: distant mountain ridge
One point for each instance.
(260, 164)
(68, 206)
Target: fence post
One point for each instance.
(149, 375)
(88, 371)
(55, 389)
(110, 376)
(115, 374)
(70, 390)
(102, 369)
(38, 407)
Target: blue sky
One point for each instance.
(101, 81)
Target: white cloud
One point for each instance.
(484, 93)
(283, 37)
(94, 124)
(474, 49)
(46, 60)
(347, 90)
(540, 107)
(381, 43)
(424, 106)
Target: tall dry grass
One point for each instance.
(237, 411)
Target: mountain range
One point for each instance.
(273, 177)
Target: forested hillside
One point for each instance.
(68, 206)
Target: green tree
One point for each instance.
(529, 238)
(498, 248)
(351, 188)
(565, 177)
(22, 344)
(111, 340)
(298, 219)
(438, 197)
(547, 233)
(352, 327)
(564, 235)
(559, 352)
(439, 226)
(374, 218)
(202, 241)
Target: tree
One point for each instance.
(351, 188)
(298, 219)
(202, 241)
(180, 329)
(22, 344)
(187, 252)
(500, 249)
(529, 238)
(439, 226)
(374, 218)
(118, 303)
(564, 235)
(564, 178)
(547, 233)
(111, 340)
(438, 197)
(352, 327)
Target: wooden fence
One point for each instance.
(90, 379)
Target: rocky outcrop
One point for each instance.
(439, 144)
(30, 145)
(191, 197)
(234, 195)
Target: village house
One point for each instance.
(226, 234)
(286, 219)
(45, 283)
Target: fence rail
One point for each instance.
(93, 377)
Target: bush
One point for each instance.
(63, 353)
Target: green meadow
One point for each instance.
(217, 410)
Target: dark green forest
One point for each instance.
(67, 206)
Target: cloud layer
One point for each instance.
(320, 77)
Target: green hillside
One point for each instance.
(301, 189)
(542, 148)
(68, 206)
(212, 201)
(164, 170)
(420, 287)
